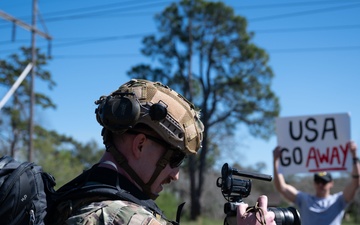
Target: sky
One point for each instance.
(314, 50)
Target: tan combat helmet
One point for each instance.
(138, 101)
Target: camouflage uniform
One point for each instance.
(82, 206)
(114, 213)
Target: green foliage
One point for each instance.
(58, 154)
(168, 202)
(14, 120)
(11, 69)
(63, 156)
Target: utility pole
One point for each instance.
(34, 31)
(32, 79)
(24, 25)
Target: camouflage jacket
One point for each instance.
(86, 206)
(114, 212)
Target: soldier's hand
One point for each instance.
(257, 216)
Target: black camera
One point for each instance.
(235, 189)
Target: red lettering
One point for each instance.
(335, 154)
(312, 155)
(345, 152)
(332, 155)
(323, 157)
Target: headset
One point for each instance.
(120, 111)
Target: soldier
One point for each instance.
(148, 130)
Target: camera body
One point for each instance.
(235, 189)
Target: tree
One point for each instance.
(60, 155)
(63, 156)
(15, 115)
(204, 51)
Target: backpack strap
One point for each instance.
(5, 160)
(83, 187)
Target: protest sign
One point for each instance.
(314, 143)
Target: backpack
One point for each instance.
(25, 192)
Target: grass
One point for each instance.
(349, 223)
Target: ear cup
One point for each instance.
(119, 112)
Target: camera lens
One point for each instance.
(286, 216)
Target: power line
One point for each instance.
(100, 10)
(98, 13)
(103, 39)
(316, 49)
(106, 13)
(89, 40)
(82, 41)
(97, 56)
(302, 29)
(24, 25)
(290, 50)
(292, 4)
(264, 31)
(86, 12)
(307, 12)
(114, 38)
(73, 41)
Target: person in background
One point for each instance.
(323, 207)
(148, 130)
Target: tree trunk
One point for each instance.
(197, 187)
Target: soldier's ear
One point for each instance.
(138, 144)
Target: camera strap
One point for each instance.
(257, 210)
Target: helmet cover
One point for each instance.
(180, 126)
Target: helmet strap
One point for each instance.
(122, 162)
(160, 165)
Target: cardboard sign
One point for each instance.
(314, 143)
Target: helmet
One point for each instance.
(156, 105)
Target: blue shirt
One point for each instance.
(321, 211)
